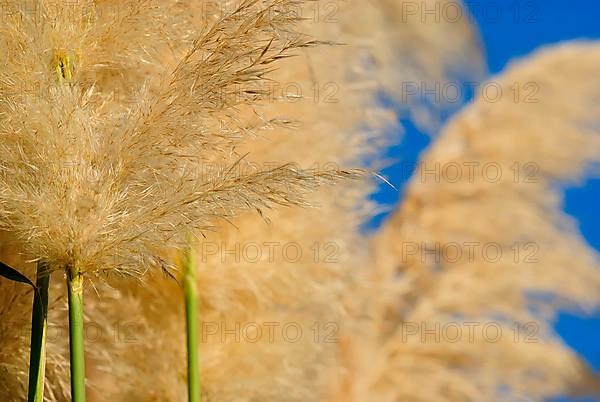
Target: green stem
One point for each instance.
(190, 291)
(39, 326)
(75, 289)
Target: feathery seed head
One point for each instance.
(92, 180)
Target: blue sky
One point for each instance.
(523, 26)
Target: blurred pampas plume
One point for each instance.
(528, 262)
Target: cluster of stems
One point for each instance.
(75, 278)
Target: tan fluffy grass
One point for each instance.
(557, 135)
(94, 181)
